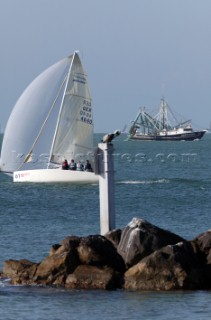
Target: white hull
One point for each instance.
(55, 175)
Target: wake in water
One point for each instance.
(144, 181)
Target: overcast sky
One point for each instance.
(134, 51)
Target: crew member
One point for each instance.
(88, 166)
(80, 166)
(65, 165)
(72, 165)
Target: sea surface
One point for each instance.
(166, 183)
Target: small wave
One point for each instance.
(144, 181)
(4, 282)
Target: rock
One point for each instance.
(140, 238)
(70, 242)
(91, 277)
(64, 258)
(203, 242)
(53, 249)
(20, 272)
(98, 251)
(58, 265)
(114, 236)
(174, 267)
(67, 244)
(139, 257)
(203, 250)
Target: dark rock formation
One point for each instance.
(170, 268)
(114, 236)
(91, 277)
(202, 245)
(64, 259)
(139, 257)
(99, 251)
(21, 271)
(140, 238)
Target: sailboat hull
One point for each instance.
(195, 135)
(55, 175)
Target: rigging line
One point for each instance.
(173, 115)
(43, 125)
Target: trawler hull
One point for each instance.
(195, 135)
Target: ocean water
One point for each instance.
(166, 183)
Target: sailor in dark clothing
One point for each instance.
(65, 165)
(88, 166)
(72, 165)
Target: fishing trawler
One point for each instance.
(162, 127)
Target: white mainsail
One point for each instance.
(52, 120)
(73, 137)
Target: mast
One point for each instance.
(163, 113)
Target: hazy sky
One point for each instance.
(134, 51)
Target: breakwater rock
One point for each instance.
(141, 256)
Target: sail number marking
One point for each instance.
(86, 112)
(22, 175)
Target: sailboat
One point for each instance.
(51, 122)
(163, 126)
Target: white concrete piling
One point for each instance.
(106, 187)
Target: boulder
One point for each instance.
(53, 249)
(140, 238)
(98, 251)
(51, 268)
(174, 267)
(203, 250)
(71, 242)
(92, 277)
(114, 236)
(20, 271)
(55, 268)
(203, 242)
